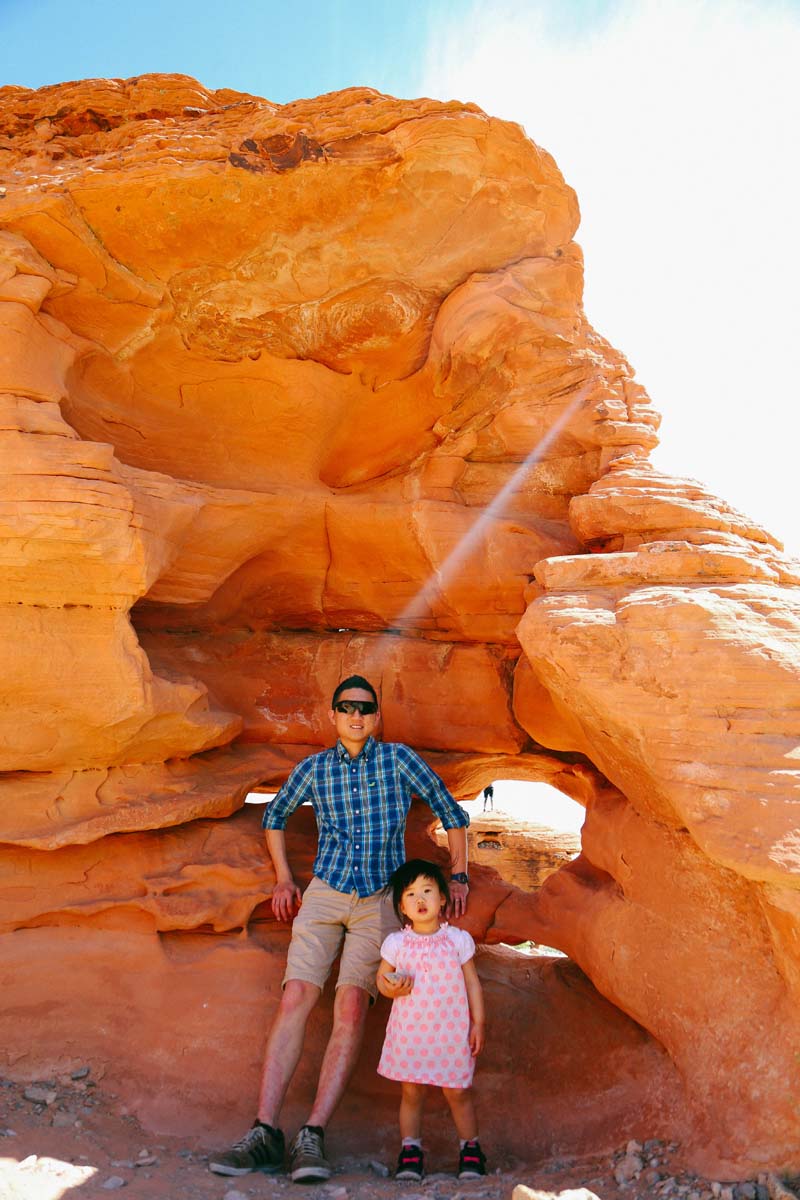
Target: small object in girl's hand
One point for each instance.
(397, 977)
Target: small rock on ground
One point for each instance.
(523, 1192)
(64, 1120)
(40, 1095)
(630, 1167)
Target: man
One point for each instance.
(361, 790)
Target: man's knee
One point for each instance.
(299, 996)
(351, 1005)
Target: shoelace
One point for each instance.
(307, 1141)
(250, 1139)
(254, 1141)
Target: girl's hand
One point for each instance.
(394, 987)
(477, 1012)
(477, 1037)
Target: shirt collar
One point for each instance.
(364, 752)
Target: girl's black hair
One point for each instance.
(404, 876)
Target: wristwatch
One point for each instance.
(460, 877)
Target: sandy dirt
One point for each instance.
(68, 1138)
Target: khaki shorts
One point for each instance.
(327, 918)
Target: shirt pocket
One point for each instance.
(385, 799)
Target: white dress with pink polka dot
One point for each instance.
(427, 1035)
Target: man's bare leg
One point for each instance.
(285, 1046)
(263, 1149)
(341, 1054)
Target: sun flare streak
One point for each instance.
(421, 605)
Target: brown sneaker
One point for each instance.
(307, 1161)
(261, 1149)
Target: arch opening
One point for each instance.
(525, 830)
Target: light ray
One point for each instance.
(421, 605)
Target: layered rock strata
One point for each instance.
(673, 652)
(288, 391)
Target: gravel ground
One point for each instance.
(65, 1139)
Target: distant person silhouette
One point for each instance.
(488, 798)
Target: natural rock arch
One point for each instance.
(263, 368)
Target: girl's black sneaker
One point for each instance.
(409, 1164)
(471, 1161)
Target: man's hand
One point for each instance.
(458, 899)
(286, 897)
(477, 1035)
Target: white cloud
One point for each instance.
(677, 124)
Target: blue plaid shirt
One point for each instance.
(361, 805)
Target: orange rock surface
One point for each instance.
(675, 657)
(290, 391)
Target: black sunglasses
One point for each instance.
(365, 707)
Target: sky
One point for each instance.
(676, 123)
(537, 802)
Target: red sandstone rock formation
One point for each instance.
(290, 391)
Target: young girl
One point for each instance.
(436, 1026)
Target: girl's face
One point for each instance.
(422, 901)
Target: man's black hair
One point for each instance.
(354, 681)
(404, 876)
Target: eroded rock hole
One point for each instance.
(524, 830)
